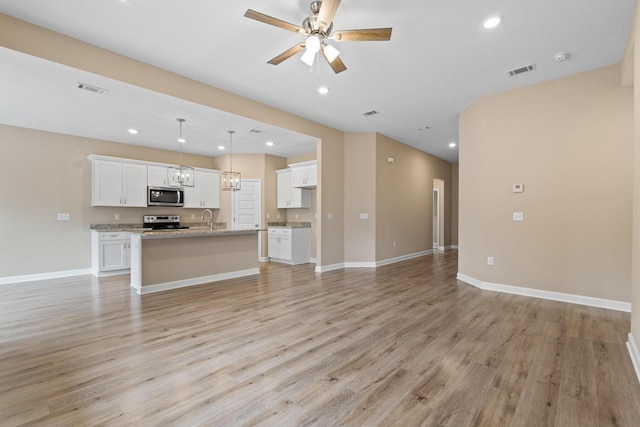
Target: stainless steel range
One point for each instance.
(162, 222)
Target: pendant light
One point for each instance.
(181, 176)
(231, 179)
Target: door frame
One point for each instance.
(233, 210)
(436, 219)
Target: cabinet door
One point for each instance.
(134, 185)
(284, 189)
(210, 182)
(112, 255)
(312, 176)
(299, 176)
(157, 176)
(273, 246)
(106, 179)
(285, 246)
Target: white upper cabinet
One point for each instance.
(288, 196)
(305, 174)
(117, 183)
(205, 192)
(157, 176)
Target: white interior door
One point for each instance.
(247, 205)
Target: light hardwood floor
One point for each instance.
(405, 344)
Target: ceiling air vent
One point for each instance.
(521, 70)
(370, 113)
(94, 89)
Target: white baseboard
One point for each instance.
(325, 268)
(44, 276)
(263, 259)
(313, 260)
(403, 258)
(451, 247)
(194, 281)
(549, 295)
(635, 355)
(360, 265)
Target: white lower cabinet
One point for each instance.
(110, 252)
(289, 245)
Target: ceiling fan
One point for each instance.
(318, 28)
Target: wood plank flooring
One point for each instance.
(405, 344)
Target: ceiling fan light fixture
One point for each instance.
(313, 43)
(308, 57)
(330, 52)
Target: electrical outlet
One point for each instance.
(116, 217)
(278, 216)
(193, 216)
(394, 244)
(490, 260)
(268, 215)
(296, 216)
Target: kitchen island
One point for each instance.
(162, 260)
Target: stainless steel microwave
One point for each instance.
(162, 196)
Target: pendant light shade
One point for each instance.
(231, 180)
(180, 176)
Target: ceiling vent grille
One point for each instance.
(94, 89)
(370, 113)
(521, 70)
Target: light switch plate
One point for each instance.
(518, 188)
(63, 217)
(364, 216)
(518, 216)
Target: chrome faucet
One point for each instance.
(210, 217)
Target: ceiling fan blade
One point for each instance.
(326, 13)
(250, 13)
(286, 54)
(336, 65)
(370, 34)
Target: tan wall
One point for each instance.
(455, 170)
(360, 197)
(37, 41)
(631, 65)
(404, 199)
(569, 142)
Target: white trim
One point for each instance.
(403, 257)
(325, 268)
(194, 281)
(635, 354)
(111, 273)
(549, 295)
(453, 247)
(44, 276)
(263, 259)
(360, 265)
(313, 260)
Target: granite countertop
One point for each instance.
(191, 232)
(195, 229)
(289, 224)
(138, 227)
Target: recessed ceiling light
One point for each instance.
(182, 140)
(492, 21)
(561, 56)
(323, 90)
(220, 147)
(133, 131)
(425, 128)
(452, 144)
(270, 143)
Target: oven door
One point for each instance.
(160, 196)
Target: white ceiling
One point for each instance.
(439, 61)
